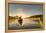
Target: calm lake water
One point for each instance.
(26, 24)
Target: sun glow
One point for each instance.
(23, 15)
(19, 13)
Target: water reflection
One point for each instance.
(24, 24)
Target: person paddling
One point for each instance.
(20, 20)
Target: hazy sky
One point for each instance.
(24, 9)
